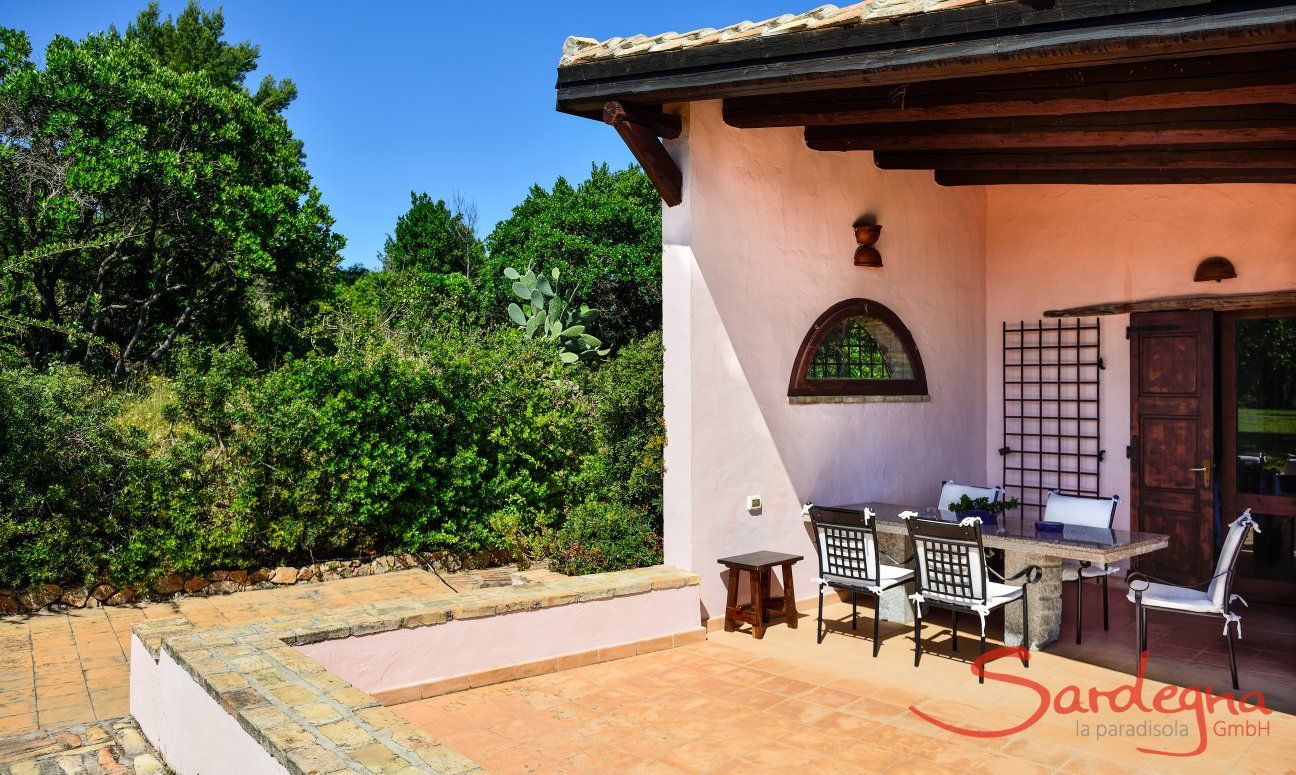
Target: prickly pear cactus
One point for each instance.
(542, 313)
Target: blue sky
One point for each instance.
(419, 95)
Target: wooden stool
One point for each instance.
(757, 613)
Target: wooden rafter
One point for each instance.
(641, 139)
(1111, 177)
(1233, 301)
(1140, 158)
(661, 123)
(1250, 124)
(1250, 79)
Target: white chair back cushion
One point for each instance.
(952, 491)
(1075, 510)
(1227, 559)
(847, 552)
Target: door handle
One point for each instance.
(1205, 471)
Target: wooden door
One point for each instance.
(1172, 391)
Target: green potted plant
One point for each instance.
(984, 508)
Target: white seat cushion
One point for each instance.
(1176, 598)
(1072, 570)
(891, 576)
(998, 594)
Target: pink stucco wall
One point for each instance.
(760, 247)
(412, 657)
(1051, 247)
(194, 734)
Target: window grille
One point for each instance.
(860, 348)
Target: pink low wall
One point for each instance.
(193, 733)
(401, 658)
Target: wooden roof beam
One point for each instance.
(1248, 79)
(1230, 301)
(1165, 158)
(1252, 125)
(642, 141)
(1110, 177)
(660, 123)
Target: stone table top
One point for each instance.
(1014, 534)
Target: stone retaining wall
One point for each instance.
(224, 582)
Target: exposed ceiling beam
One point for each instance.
(1156, 158)
(651, 118)
(657, 164)
(1252, 124)
(1268, 77)
(1110, 177)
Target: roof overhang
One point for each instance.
(976, 40)
(983, 42)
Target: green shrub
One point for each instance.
(63, 461)
(599, 537)
(406, 447)
(625, 464)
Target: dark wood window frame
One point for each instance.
(799, 386)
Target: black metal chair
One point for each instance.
(1086, 512)
(953, 574)
(850, 560)
(1212, 597)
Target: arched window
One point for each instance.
(858, 348)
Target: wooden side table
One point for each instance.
(759, 566)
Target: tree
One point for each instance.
(139, 202)
(603, 234)
(435, 238)
(194, 42)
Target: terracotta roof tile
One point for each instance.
(581, 50)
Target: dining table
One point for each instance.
(1022, 545)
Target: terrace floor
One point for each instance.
(68, 668)
(788, 704)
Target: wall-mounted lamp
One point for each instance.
(1216, 268)
(865, 235)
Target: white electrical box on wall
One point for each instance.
(754, 503)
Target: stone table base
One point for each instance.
(1045, 601)
(894, 604)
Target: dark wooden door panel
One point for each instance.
(1169, 365)
(1172, 420)
(1178, 446)
(1187, 553)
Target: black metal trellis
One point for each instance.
(1051, 399)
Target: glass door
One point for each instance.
(1258, 399)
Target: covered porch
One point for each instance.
(1060, 181)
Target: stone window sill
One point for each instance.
(858, 399)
